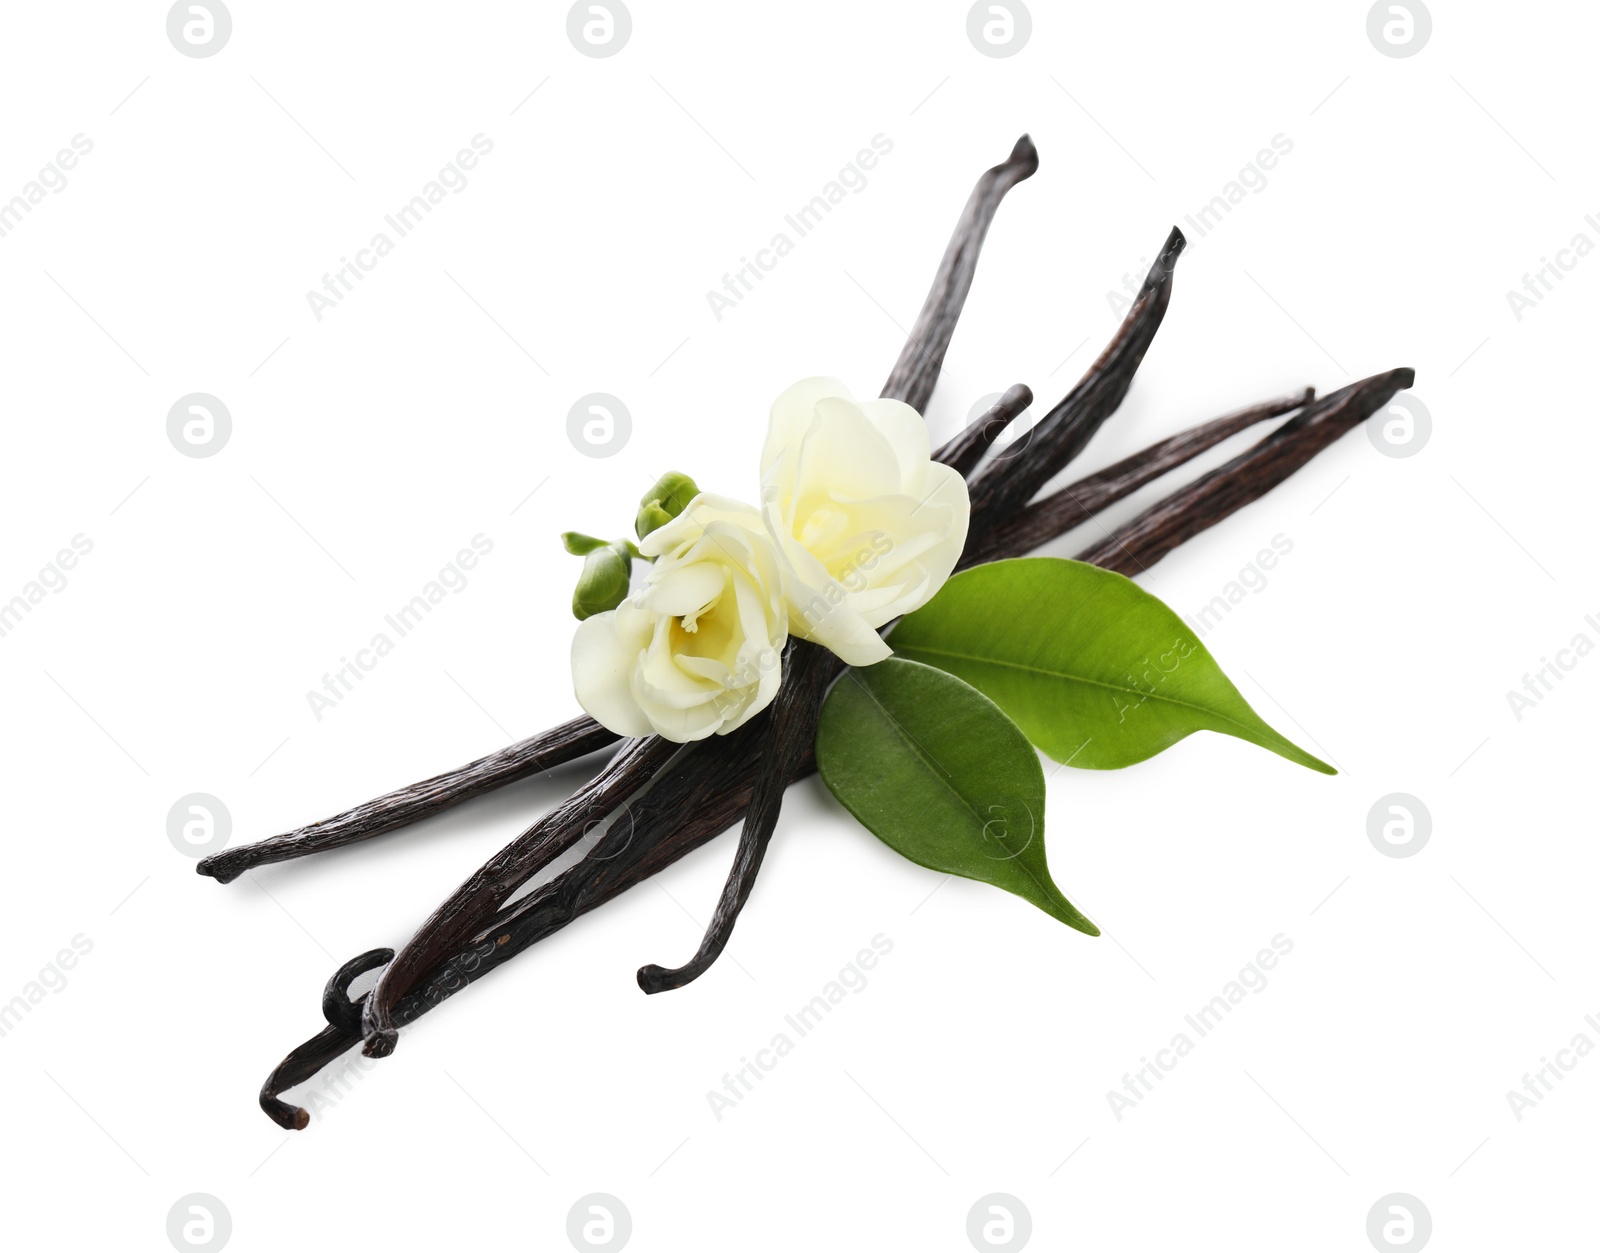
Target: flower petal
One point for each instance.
(700, 514)
(684, 590)
(839, 629)
(842, 452)
(791, 414)
(906, 432)
(605, 650)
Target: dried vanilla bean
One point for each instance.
(303, 1062)
(1006, 485)
(787, 740)
(337, 1007)
(417, 801)
(1059, 512)
(963, 452)
(712, 787)
(464, 911)
(915, 373)
(1212, 497)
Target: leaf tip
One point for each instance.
(1290, 751)
(1063, 910)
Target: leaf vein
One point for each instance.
(937, 770)
(913, 650)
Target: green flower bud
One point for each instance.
(603, 584)
(651, 517)
(663, 502)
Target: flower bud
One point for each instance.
(603, 584)
(663, 502)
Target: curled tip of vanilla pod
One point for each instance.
(788, 735)
(337, 1007)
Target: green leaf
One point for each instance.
(1095, 670)
(938, 773)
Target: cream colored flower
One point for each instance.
(696, 650)
(867, 526)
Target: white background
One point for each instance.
(430, 405)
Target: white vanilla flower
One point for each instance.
(867, 526)
(696, 651)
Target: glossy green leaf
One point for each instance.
(936, 771)
(1095, 670)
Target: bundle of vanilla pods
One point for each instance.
(654, 801)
